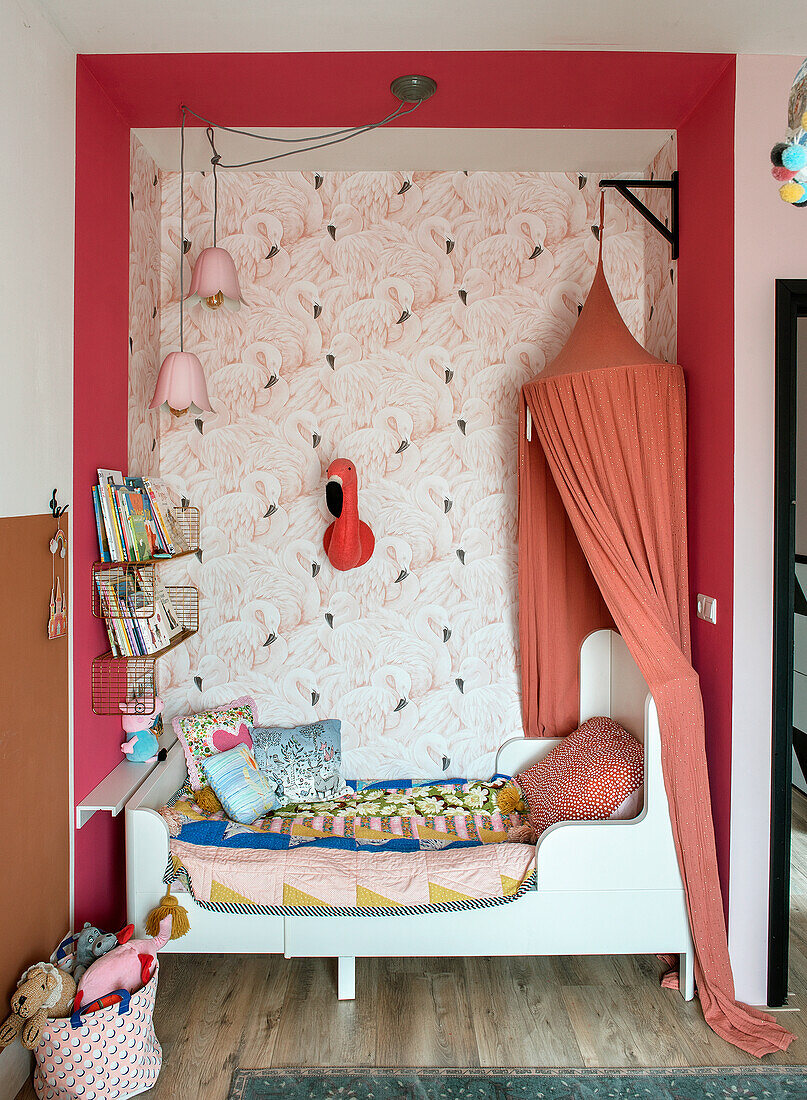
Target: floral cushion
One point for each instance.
(303, 761)
(214, 731)
(245, 794)
(589, 776)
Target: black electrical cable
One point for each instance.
(348, 133)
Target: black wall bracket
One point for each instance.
(623, 187)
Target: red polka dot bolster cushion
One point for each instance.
(595, 772)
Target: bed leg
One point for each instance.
(686, 974)
(346, 978)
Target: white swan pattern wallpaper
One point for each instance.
(388, 318)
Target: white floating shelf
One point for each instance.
(114, 792)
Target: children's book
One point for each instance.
(164, 506)
(103, 541)
(156, 545)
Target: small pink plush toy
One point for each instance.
(142, 746)
(128, 966)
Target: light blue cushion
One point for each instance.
(245, 794)
(304, 761)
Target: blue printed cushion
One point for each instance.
(304, 761)
(245, 794)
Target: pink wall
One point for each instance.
(770, 244)
(706, 352)
(564, 89)
(99, 439)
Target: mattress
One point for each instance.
(344, 861)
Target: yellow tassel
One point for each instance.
(509, 800)
(207, 801)
(169, 906)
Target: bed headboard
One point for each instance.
(610, 684)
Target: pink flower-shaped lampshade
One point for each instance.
(215, 281)
(181, 383)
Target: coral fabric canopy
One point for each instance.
(602, 541)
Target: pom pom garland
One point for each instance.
(792, 192)
(776, 153)
(794, 157)
(782, 174)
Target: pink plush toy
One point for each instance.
(142, 745)
(126, 967)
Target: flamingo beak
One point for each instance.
(460, 684)
(462, 425)
(269, 639)
(450, 242)
(330, 359)
(314, 698)
(314, 568)
(273, 251)
(198, 681)
(318, 178)
(536, 252)
(270, 511)
(317, 309)
(331, 231)
(405, 187)
(401, 704)
(404, 317)
(461, 555)
(316, 439)
(463, 295)
(272, 382)
(402, 447)
(329, 619)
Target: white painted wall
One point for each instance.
(37, 90)
(770, 243)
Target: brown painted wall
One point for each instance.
(34, 842)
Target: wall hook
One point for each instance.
(55, 510)
(671, 185)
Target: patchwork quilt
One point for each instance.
(379, 851)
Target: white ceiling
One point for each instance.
(410, 148)
(184, 26)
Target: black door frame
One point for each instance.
(791, 303)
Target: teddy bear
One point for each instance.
(43, 993)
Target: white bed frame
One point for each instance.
(604, 887)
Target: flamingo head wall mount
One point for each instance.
(348, 541)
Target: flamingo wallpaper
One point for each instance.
(388, 318)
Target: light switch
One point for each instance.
(707, 608)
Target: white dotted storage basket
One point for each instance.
(109, 1054)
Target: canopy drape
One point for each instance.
(602, 536)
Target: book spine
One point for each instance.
(103, 545)
(119, 624)
(120, 548)
(109, 523)
(113, 643)
(122, 506)
(162, 521)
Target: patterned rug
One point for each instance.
(722, 1083)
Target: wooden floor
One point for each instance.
(220, 1012)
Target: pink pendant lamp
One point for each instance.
(214, 282)
(181, 381)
